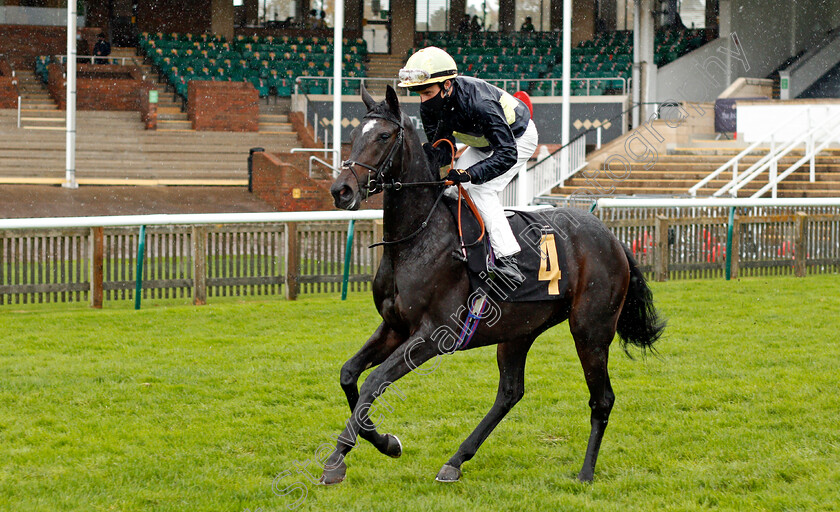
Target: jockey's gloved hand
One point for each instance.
(458, 176)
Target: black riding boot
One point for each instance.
(508, 267)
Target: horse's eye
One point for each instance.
(385, 136)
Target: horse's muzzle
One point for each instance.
(344, 196)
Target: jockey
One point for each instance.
(497, 128)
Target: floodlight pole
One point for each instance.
(566, 86)
(70, 175)
(337, 54)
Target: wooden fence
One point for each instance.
(197, 262)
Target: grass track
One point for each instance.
(182, 408)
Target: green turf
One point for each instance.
(182, 408)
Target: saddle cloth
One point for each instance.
(542, 260)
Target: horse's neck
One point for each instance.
(405, 210)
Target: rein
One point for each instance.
(376, 183)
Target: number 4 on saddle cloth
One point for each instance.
(542, 259)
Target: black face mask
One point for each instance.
(435, 104)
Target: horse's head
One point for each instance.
(373, 146)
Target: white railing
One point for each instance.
(187, 219)
(734, 161)
(520, 83)
(809, 156)
(771, 160)
(61, 59)
(548, 173)
(18, 112)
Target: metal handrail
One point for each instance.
(733, 162)
(316, 159)
(505, 82)
(734, 186)
(18, 113)
(317, 150)
(63, 58)
(809, 155)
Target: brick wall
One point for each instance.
(287, 188)
(22, 43)
(100, 87)
(223, 106)
(173, 16)
(8, 86)
(282, 180)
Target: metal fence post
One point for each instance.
(348, 252)
(141, 252)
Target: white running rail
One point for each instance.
(772, 159)
(734, 161)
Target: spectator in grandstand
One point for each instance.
(464, 25)
(496, 126)
(312, 20)
(322, 21)
(475, 25)
(102, 48)
(527, 26)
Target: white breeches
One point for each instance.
(486, 195)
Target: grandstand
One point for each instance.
(170, 45)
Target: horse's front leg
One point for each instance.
(378, 347)
(403, 360)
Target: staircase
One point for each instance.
(673, 174)
(382, 66)
(113, 149)
(38, 111)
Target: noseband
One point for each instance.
(376, 175)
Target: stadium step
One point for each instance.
(113, 147)
(683, 167)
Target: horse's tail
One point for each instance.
(639, 323)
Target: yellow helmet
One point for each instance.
(427, 66)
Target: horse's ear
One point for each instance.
(367, 98)
(393, 101)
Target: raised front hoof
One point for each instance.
(394, 448)
(448, 474)
(334, 475)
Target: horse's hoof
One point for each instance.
(585, 477)
(448, 474)
(394, 448)
(334, 475)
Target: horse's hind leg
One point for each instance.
(511, 359)
(377, 348)
(592, 340)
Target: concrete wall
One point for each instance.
(749, 88)
(768, 32)
(808, 70)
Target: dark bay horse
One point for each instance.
(419, 285)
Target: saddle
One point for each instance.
(541, 260)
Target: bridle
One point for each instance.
(376, 175)
(376, 183)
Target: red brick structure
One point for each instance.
(22, 43)
(285, 187)
(100, 87)
(8, 86)
(282, 180)
(223, 106)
